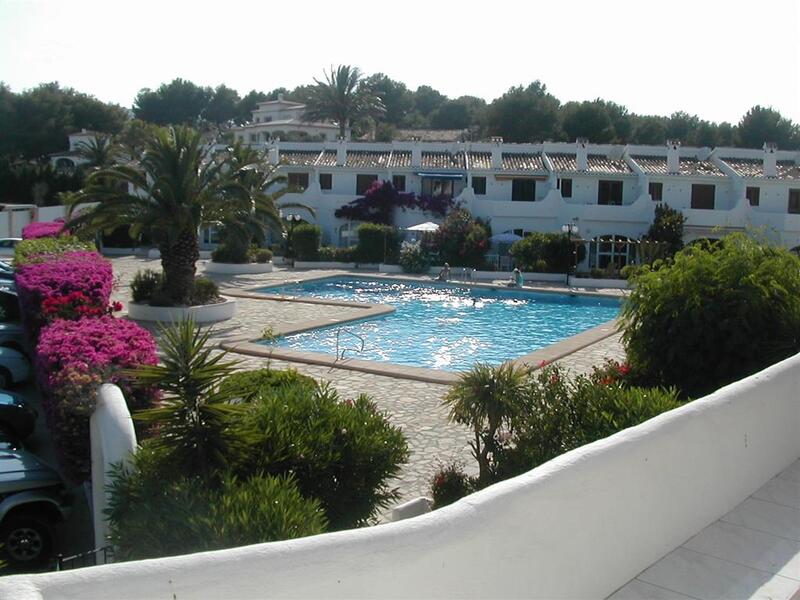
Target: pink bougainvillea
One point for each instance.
(72, 359)
(85, 272)
(41, 229)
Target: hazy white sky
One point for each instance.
(712, 58)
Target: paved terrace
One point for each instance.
(415, 406)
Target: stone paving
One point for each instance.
(412, 405)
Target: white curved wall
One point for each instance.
(579, 526)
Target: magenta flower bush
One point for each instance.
(85, 272)
(42, 229)
(72, 359)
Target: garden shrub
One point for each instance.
(377, 243)
(85, 272)
(247, 385)
(145, 283)
(554, 251)
(342, 452)
(305, 239)
(667, 229)
(450, 483)
(713, 315)
(231, 252)
(150, 516)
(260, 255)
(47, 248)
(333, 254)
(41, 229)
(72, 359)
(414, 258)
(462, 240)
(205, 291)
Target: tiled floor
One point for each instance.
(752, 552)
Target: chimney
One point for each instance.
(341, 152)
(582, 154)
(280, 97)
(673, 156)
(416, 154)
(497, 152)
(273, 156)
(770, 160)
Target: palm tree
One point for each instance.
(99, 152)
(344, 97)
(176, 188)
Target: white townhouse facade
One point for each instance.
(605, 190)
(281, 118)
(71, 158)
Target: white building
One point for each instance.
(605, 190)
(71, 158)
(284, 119)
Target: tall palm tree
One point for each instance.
(176, 188)
(343, 97)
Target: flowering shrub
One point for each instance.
(75, 305)
(72, 359)
(379, 201)
(44, 229)
(414, 258)
(462, 240)
(48, 248)
(84, 272)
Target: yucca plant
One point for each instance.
(194, 418)
(487, 399)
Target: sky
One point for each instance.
(712, 58)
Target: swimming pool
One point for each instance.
(441, 326)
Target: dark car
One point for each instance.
(17, 418)
(32, 500)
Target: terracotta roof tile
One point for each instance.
(657, 165)
(327, 159)
(522, 162)
(302, 158)
(443, 160)
(753, 167)
(480, 160)
(597, 163)
(400, 158)
(369, 159)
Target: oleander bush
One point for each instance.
(334, 254)
(151, 517)
(42, 229)
(84, 272)
(72, 359)
(712, 315)
(462, 240)
(305, 239)
(449, 484)
(553, 252)
(248, 385)
(48, 248)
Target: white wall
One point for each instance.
(579, 526)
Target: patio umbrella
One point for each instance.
(505, 238)
(429, 226)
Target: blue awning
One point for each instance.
(442, 175)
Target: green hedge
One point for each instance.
(305, 239)
(36, 250)
(553, 252)
(377, 243)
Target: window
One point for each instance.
(298, 180)
(258, 119)
(703, 196)
(610, 252)
(523, 190)
(565, 185)
(656, 190)
(609, 192)
(363, 182)
(253, 137)
(437, 187)
(479, 186)
(399, 182)
(325, 181)
(753, 194)
(794, 202)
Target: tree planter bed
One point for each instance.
(203, 313)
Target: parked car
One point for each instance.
(17, 417)
(33, 499)
(14, 367)
(12, 333)
(6, 272)
(7, 246)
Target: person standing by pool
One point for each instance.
(444, 274)
(516, 279)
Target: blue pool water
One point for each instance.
(442, 326)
